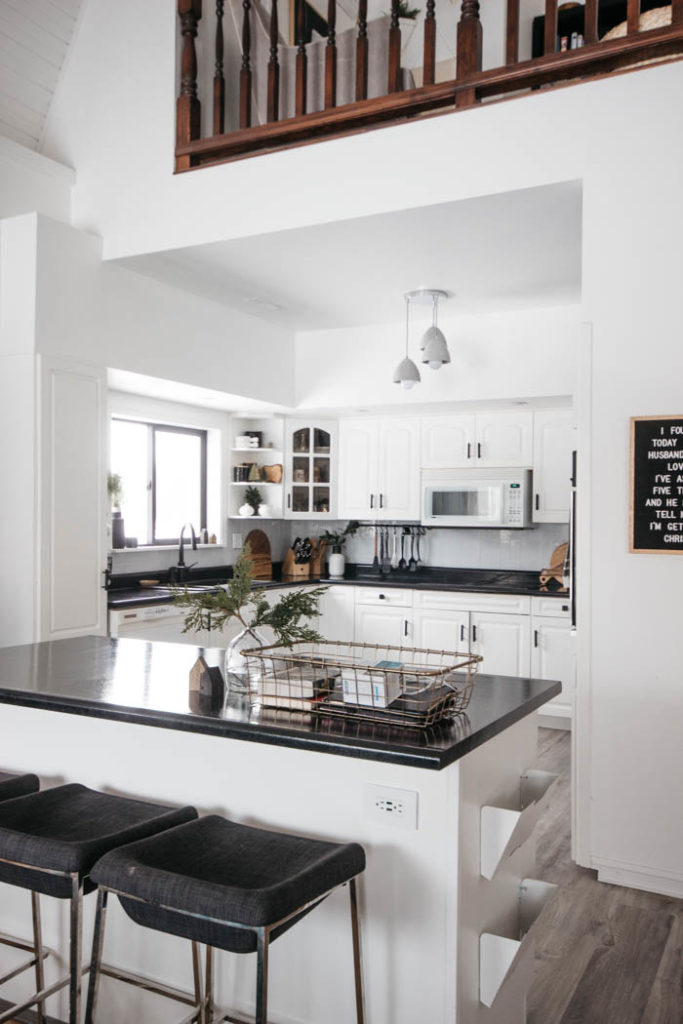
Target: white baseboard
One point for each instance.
(633, 876)
(554, 717)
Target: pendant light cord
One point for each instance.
(407, 322)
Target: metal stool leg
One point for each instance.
(75, 949)
(198, 993)
(357, 955)
(209, 985)
(96, 960)
(261, 976)
(38, 953)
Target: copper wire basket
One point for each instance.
(406, 686)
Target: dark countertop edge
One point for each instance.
(345, 746)
(146, 596)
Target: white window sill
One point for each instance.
(164, 547)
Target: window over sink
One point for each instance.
(163, 472)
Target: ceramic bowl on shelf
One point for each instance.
(245, 510)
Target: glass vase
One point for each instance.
(240, 676)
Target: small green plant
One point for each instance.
(115, 489)
(338, 538)
(250, 607)
(406, 11)
(252, 496)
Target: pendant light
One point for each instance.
(434, 348)
(406, 373)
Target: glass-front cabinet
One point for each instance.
(311, 468)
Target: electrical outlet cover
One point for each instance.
(389, 806)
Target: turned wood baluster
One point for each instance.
(301, 62)
(218, 76)
(331, 56)
(429, 61)
(677, 12)
(468, 53)
(245, 72)
(590, 22)
(273, 111)
(632, 16)
(512, 33)
(188, 108)
(550, 31)
(362, 51)
(394, 83)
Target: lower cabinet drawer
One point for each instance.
(385, 598)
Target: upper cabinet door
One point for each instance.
(448, 442)
(554, 441)
(398, 479)
(358, 492)
(311, 469)
(504, 439)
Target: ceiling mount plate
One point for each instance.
(426, 296)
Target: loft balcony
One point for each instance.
(245, 90)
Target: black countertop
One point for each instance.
(147, 684)
(125, 592)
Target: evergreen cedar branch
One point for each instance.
(213, 610)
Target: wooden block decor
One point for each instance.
(207, 682)
(259, 555)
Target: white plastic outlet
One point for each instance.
(397, 807)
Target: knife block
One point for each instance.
(292, 568)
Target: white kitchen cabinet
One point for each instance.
(337, 613)
(358, 440)
(553, 654)
(384, 616)
(554, 441)
(379, 468)
(310, 469)
(503, 642)
(447, 441)
(481, 441)
(441, 629)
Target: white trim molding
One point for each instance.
(637, 876)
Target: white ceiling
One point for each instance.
(34, 40)
(507, 251)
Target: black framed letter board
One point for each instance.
(657, 484)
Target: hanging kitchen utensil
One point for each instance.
(418, 534)
(412, 564)
(386, 561)
(394, 548)
(375, 560)
(402, 564)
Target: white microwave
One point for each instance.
(499, 498)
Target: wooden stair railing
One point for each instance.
(470, 86)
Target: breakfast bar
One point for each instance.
(442, 929)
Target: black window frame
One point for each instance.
(167, 428)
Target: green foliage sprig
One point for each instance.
(338, 538)
(115, 489)
(211, 610)
(252, 496)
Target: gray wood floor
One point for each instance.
(605, 954)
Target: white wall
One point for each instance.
(29, 181)
(531, 354)
(109, 316)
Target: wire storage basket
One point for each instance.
(407, 686)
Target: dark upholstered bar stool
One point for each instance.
(228, 886)
(48, 843)
(12, 785)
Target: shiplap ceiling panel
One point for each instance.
(34, 40)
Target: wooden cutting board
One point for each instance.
(259, 554)
(556, 568)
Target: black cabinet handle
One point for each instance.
(382, 597)
(289, 500)
(538, 502)
(535, 638)
(381, 501)
(405, 627)
(372, 501)
(478, 449)
(469, 450)
(462, 633)
(474, 634)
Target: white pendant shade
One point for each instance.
(434, 348)
(406, 374)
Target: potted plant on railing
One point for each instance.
(237, 600)
(336, 539)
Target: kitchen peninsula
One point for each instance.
(442, 893)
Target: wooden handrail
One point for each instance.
(596, 59)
